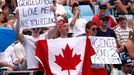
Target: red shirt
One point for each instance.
(111, 21)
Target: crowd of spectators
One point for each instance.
(20, 54)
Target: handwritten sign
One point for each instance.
(35, 13)
(105, 48)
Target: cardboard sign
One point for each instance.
(105, 48)
(35, 13)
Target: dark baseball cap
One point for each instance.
(103, 6)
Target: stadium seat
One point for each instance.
(86, 12)
(96, 7)
(128, 16)
(68, 11)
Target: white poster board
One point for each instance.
(105, 48)
(35, 13)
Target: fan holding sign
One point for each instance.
(36, 16)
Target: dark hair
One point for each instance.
(103, 6)
(90, 23)
(121, 17)
(104, 17)
(75, 4)
(62, 20)
(5, 6)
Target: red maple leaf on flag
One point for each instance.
(68, 62)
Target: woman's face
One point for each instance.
(1, 16)
(6, 10)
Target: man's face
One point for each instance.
(54, 2)
(104, 21)
(127, 68)
(76, 9)
(93, 30)
(103, 10)
(122, 22)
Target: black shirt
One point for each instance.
(108, 33)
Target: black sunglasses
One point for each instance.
(122, 19)
(93, 29)
(104, 19)
(103, 8)
(35, 29)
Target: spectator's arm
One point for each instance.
(130, 50)
(14, 3)
(128, 5)
(7, 65)
(130, 22)
(52, 33)
(92, 2)
(121, 7)
(20, 36)
(110, 6)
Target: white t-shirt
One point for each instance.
(122, 34)
(8, 55)
(78, 28)
(19, 51)
(115, 71)
(29, 45)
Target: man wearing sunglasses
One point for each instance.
(122, 31)
(102, 10)
(91, 28)
(104, 31)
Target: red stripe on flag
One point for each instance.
(42, 54)
(89, 51)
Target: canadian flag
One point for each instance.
(70, 56)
